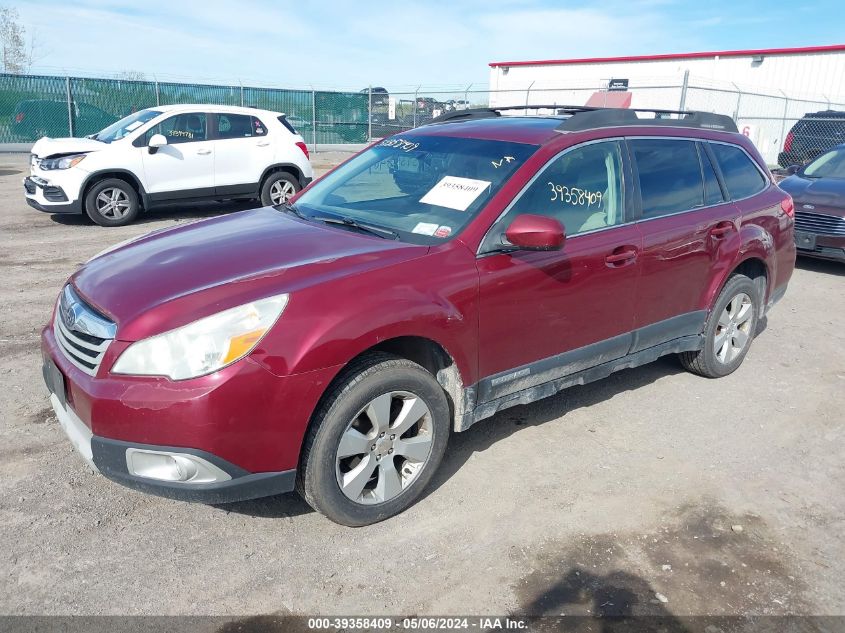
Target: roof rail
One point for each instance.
(586, 117)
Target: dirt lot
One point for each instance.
(723, 496)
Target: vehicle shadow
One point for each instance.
(485, 433)
(820, 266)
(174, 212)
(607, 600)
(282, 506)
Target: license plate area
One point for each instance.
(805, 241)
(55, 380)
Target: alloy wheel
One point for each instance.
(734, 328)
(113, 203)
(281, 191)
(384, 448)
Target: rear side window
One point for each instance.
(742, 178)
(284, 121)
(670, 176)
(238, 126)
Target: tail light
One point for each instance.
(788, 206)
(304, 149)
(19, 117)
(787, 144)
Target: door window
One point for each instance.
(670, 176)
(239, 126)
(741, 176)
(189, 127)
(582, 189)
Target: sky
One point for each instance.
(398, 45)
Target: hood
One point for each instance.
(49, 147)
(170, 278)
(822, 192)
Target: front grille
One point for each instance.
(820, 223)
(83, 334)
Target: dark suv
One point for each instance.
(812, 136)
(333, 344)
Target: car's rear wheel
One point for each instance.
(375, 442)
(112, 202)
(729, 330)
(278, 188)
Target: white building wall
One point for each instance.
(805, 74)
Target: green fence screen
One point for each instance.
(33, 106)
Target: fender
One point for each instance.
(95, 175)
(755, 243)
(286, 167)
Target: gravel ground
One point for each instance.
(722, 496)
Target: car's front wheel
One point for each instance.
(376, 441)
(729, 330)
(112, 202)
(278, 188)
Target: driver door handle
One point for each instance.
(203, 152)
(621, 256)
(263, 143)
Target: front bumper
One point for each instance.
(44, 196)
(824, 247)
(110, 458)
(243, 421)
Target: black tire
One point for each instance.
(93, 206)
(366, 379)
(706, 362)
(281, 178)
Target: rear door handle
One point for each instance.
(203, 152)
(621, 256)
(722, 229)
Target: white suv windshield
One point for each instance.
(126, 125)
(423, 188)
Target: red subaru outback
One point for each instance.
(333, 344)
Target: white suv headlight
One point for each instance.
(65, 162)
(203, 346)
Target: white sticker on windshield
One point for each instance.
(424, 228)
(455, 193)
(134, 125)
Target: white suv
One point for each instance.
(168, 154)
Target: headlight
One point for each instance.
(203, 346)
(65, 162)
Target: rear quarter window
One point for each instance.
(741, 175)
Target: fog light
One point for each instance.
(175, 467)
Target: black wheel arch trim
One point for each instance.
(289, 167)
(105, 173)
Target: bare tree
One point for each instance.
(131, 75)
(17, 57)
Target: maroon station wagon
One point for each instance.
(333, 344)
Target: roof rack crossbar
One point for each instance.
(589, 117)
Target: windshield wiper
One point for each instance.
(287, 206)
(364, 228)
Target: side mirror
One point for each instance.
(792, 170)
(156, 141)
(530, 232)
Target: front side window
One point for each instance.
(670, 176)
(742, 178)
(424, 188)
(189, 127)
(829, 165)
(239, 126)
(126, 125)
(581, 188)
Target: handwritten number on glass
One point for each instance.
(574, 195)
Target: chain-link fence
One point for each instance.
(786, 128)
(36, 106)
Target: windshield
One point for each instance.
(424, 188)
(829, 165)
(126, 125)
